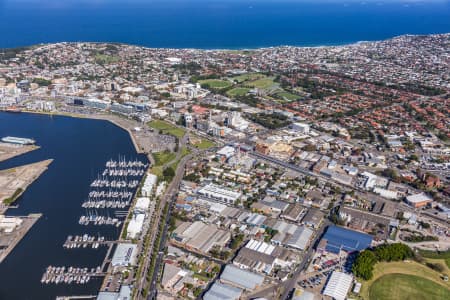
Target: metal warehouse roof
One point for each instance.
(219, 291)
(124, 255)
(300, 238)
(349, 240)
(338, 285)
(260, 246)
(256, 219)
(242, 278)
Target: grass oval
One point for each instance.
(406, 287)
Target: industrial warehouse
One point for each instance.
(200, 237)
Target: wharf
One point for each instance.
(8, 151)
(9, 240)
(14, 181)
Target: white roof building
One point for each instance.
(300, 127)
(260, 246)
(388, 194)
(8, 224)
(219, 194)
(135, 225)
(125, 255)
(338, 285)
(418, 199)
(226, 151)
(149, 185)
(142, 204)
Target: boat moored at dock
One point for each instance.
(18, 140)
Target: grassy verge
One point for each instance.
(13, 198)
(156, 246)
(204, 144)
(167, 128)
(443, 255)
(163, 157)
(184, 151)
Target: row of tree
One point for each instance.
(366, 260)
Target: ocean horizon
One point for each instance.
(217, 24)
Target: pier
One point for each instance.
(8, 151)
(13, 182)
(70, 275)
(10, 240)
(84, 241)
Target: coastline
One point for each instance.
(93, 117)
(28, 174)
(19, 151)
(238, 48)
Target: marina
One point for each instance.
(113, 189)
(79, 149)
(70, 275)
(84, 241)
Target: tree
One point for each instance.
(363, 266)
(436, 266)
(390, 173)
(197, 291)
(237, 240)
(168, 173)
(393, 252)
(366, 260)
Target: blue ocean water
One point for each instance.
(218, 23)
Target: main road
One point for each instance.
(168, 197)
(288, 285)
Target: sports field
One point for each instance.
(405, 287)
(215, 83)
(404, 276)
(246, 77)
(263, 83)
(287, 96)
(238, 92)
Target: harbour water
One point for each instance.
(212, 24)
(80, 148)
